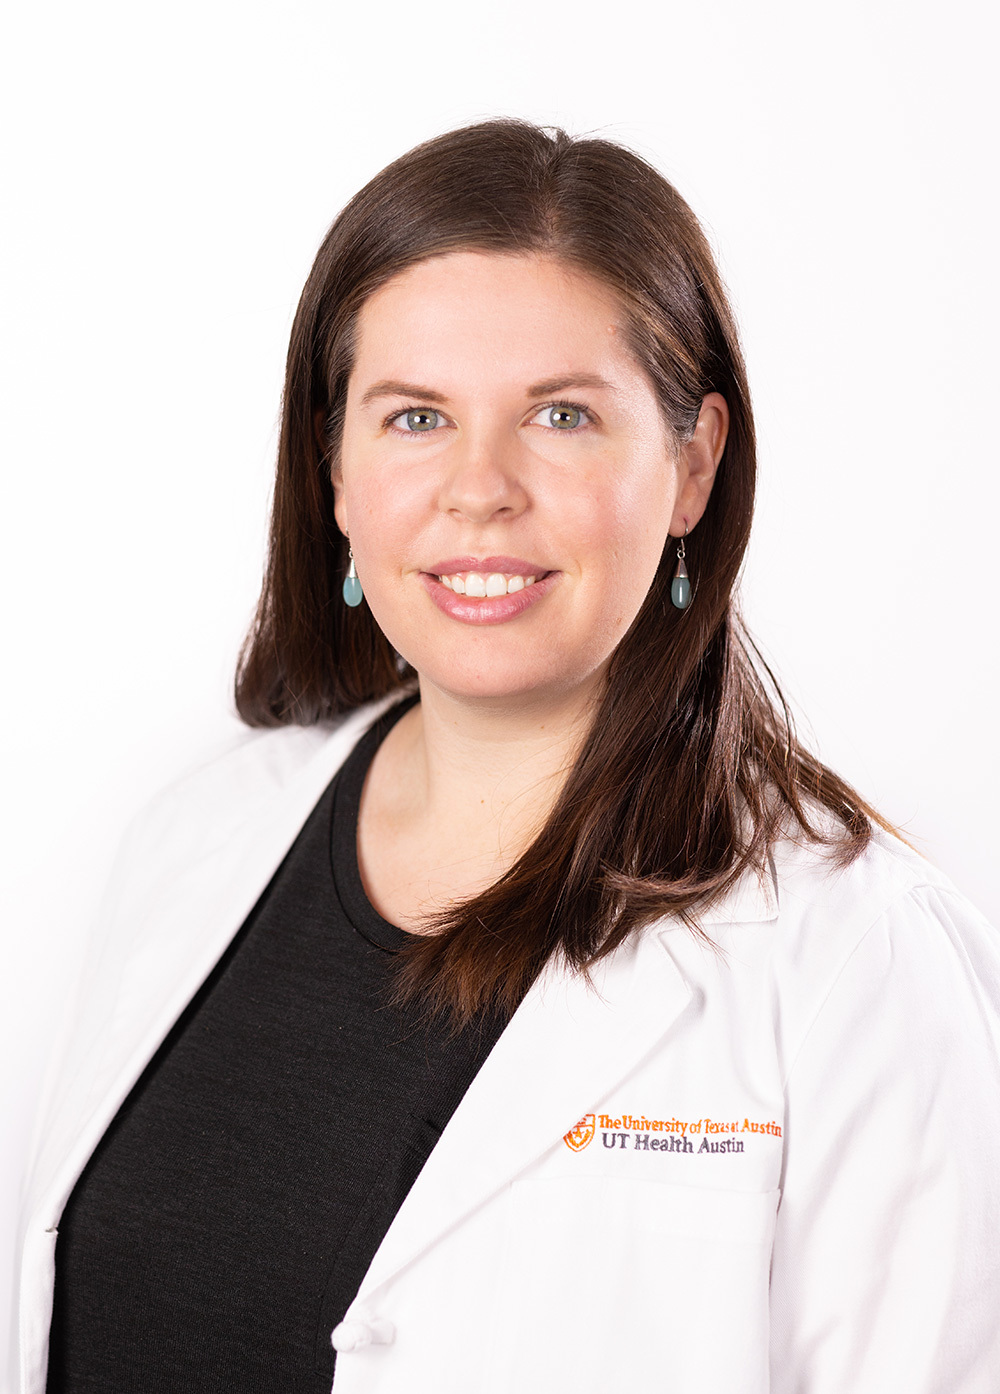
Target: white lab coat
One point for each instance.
(767, 1167)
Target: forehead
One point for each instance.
(531, 314)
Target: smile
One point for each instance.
(497, 590)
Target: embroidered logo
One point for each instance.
(637, 1133)
(579, 1137)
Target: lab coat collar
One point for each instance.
(753, 900)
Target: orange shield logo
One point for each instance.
(577, 1138)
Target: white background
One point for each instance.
(171, 171)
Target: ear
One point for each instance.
(697, 462)
(339, 505)
(339, 511)
(339, 508)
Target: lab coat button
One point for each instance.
(355, 1335)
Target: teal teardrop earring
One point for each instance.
(680, 586)
(353, 594)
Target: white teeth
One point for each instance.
(479, 586)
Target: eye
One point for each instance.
(417, 420)
(562, 416)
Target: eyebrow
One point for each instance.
(389, 387)
(550, 385)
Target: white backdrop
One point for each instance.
(172, 171)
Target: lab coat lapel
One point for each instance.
(171, 919)
(565, 1049)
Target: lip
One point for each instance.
(510, 566)
(494, 609)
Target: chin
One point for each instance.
(487, 687)
(488, 665)
(514, 682)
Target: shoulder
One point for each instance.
(238, 784)
(818, 898)
(811, 907)
(886, 939)
(815, 941)
(218, 831)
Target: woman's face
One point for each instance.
(499, 437)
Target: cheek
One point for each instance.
(382, 507)
(623, 515)
(373, 486)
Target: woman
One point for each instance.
(521, 1008)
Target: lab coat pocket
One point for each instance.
(611, 1278)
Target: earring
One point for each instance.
(353, 594)
(680, 586)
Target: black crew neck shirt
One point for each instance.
(226, 1219)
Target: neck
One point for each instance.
(457, 792)
(488, 772)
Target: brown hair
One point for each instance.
(691, 769)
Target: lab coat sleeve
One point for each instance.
(886, 1262)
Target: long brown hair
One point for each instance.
(691, 769)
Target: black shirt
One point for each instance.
(227, 1218)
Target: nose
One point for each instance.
(483, 479)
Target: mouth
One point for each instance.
(487, 591)
(487, 579)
